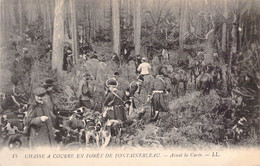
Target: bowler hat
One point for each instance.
(48, 82)
(116, 73)
(39, 91)
(111, 82)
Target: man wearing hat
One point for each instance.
(69, 60)
(16, 69)
(40, 121)
(144, 68)
(85, 95)
(48, 84)
(134, 88)
(115, 100)
(115, 77)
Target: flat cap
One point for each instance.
(39, 91)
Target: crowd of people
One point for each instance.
(40, 119)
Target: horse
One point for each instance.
(179, 76)
(196, 69)
(125, 52)
(205, 80)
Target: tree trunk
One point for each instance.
(32, 12)
(49, 17)
(11, 15)
(224, 28)
(234, 32)
(184, 23)
(67, 22)
(89, 23)
(85, 24)
(129, 11)
(43, 6)
(137, 30)
(51, 3)
(116, 26)
(3, 22)
(20, 16)
(75, 47)
(58, 36)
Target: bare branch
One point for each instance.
(160, 12)
(203, 38)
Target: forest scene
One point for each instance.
(207, 51)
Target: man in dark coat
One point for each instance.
(16, 70)
(85, 94)
(115, 77)
(158, 90)
(134, 88)
(69, 63)
(48, 84)
(114, 103)
(40, 122)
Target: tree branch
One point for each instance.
(202, 38)
(160, 12)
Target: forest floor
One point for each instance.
(195, 121)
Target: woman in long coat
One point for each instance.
(40, 122)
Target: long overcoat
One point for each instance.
(117, 102)
(41, 134)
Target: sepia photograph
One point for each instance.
(132, 82)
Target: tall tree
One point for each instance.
(20, 16)
(137, 26)
(11, 15)
(75, 47)
(49, 17)
(58, 36)
(184, 23)
(3, 21)
(116, 26)
(234, 31)
(224, 27)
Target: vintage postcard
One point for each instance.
(130, 82)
